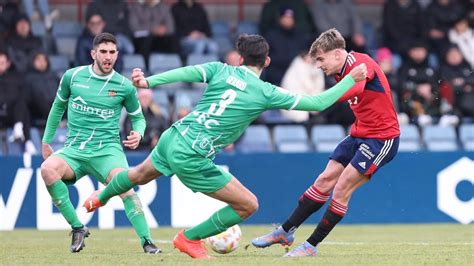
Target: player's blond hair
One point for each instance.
(327, 41)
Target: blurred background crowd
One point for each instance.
(425, 47)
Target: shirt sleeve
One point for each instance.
(359, 86)
(134, 110)
(283, 99)
(58, 107)
(197, 73)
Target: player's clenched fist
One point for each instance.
(138, 78)
(133, 140)
(359, 72)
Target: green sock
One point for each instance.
(118, 185)
(60, 195)
(134, 211)
(218, 222)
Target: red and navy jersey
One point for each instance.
(370, 100)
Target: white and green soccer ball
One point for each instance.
(226, 241)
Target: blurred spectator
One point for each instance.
(463, 36)
(94, 25)
(22, 45)
(193, 29)
(9, 10)
(440, 15)
(40, 89)
(457, 83)
(271, 14)
(155, 122)
(113, 12)
(115, 15)
(342, 15)
(153, 28)
(423, 103)
(43, 10)
(416, 68)
(384, 57)
(13, 110)
(302, 77)
(469, 7)
(402, 24)
(233, 58)
(286, 42)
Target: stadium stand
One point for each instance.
(326, 137)
(409, 138)
(162, 62)
(255, 139)
(291, 138)
(466, 136)
(438, 138)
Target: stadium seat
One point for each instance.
(160, 97)
(3, 141)
(438, 138)
(14, 148)
(326, 137)
(220, 29)
(409, 138)
(224, 43)
(291, 138)
(466, 135)
(163, 62)
(67, 28)
(37, 28)
(248, 27)
(66, 46)
(131, 61)
(255, 139)
(197, 59)
(58, 64)
(274, 117)
(59, 138)
(36, 138)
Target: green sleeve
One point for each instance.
(182, 74)
(132, 105)
(327, 98)
(58, 108)
(196, 73)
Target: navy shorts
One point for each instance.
(366, 155)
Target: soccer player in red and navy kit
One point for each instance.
(373, 142)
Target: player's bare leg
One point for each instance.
(123, 182)
(348, 182)
(311, 201)
(134, 212)
(242, 204)
(53, 171)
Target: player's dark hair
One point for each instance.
(253, 49)
(328, 41)
(103, 37)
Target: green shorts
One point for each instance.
(97, 164)
(173, 155)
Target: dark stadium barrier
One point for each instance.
(420, 187)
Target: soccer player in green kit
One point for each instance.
(94, 95)
(235, 96)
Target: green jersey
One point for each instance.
(94, 107)
(234, 97)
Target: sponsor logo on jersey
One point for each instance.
(79, 105)
(112, 93)
(75, 84)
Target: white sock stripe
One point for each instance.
(315, 197)
(339, 209)
(384, 152)
(314, 194)
(338, 205)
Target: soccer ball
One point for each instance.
(226, 241)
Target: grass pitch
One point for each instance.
(423, 244)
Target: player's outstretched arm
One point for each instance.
(182, 74)
(329, 97)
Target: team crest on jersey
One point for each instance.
(112, 93)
